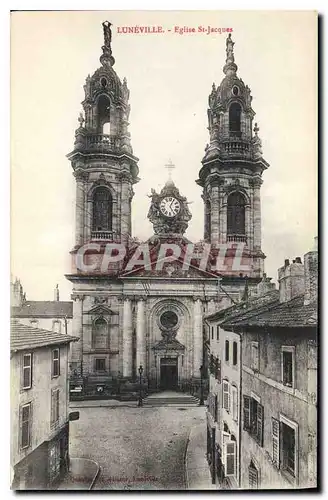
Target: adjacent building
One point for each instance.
(39, 411)
(225, 383)
(275, 336)
(55, 315)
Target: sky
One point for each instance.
(170, 77)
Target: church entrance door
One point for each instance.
(169, 373)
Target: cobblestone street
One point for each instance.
(137, 448)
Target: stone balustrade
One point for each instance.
(102, 235)
(237, 238)
(101, 142)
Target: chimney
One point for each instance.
(56, 294)
(265, 286)
(17, 293)
(311, 274)
(291, 279)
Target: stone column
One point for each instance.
(215, 212)
(76, 352)
(127, 338)
(248, 232)
(125, 205)
(141, 335)
(198, 336)
(79, 207)
(257, 212)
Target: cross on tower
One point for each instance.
(170, 166)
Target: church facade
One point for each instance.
(143, 303)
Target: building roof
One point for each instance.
(239, 310)
(291, 314)
(43, 309)
(24, 337)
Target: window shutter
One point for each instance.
(57, 405)
(234, 403)
(229, 398)
(225, 397)
(275, 441)
(52, 406)
(247, 413)
(260, 421)
(252, 477)
(216, 408)
(230, 462)
(225, 440)
(218, 374)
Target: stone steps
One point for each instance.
(181, 401)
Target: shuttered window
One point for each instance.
(225, 440)
(225, 395)
(234, 403)
(215, 408)
(253, 418)
(54, 406)
(55, 363)
(253, 476)
(27, 371)
(25, 433)
(230, 462)
(247, 413)
(260, 422)
(275, 441)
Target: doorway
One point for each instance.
(169, 373)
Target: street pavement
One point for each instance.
(136, 448)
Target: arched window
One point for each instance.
(207, 220)
(102, 210)
(100, 334)
(234, 118)
(236, 214)
(103, 113)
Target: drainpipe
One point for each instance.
(240, 406)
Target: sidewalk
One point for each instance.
(113, 403)
(198, 476)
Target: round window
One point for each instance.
(169, 319)
(235, 90)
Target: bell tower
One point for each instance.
(231, 175)
(104, 166)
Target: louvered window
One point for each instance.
(275, 442)
(230, 462)
(253, 476)
(234, 403)
(225, 395)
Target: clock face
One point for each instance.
(170, 207)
